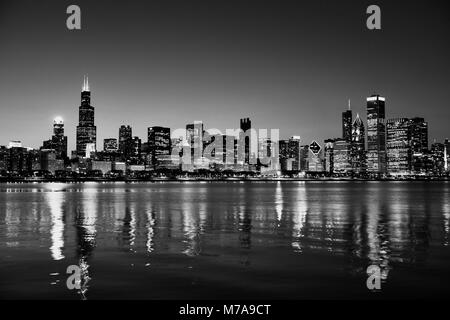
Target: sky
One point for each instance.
(290, 65)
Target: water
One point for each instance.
(225, 240)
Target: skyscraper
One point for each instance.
(289, 154)
(294, 152)
(4, 158)
(126, 144)
(135, 157)
(347, 124)
(283, 146)
(159, 143)
(194, 136)
(376, 134)
(358, 146)
(245, 125)
(437, 154)
(58, 142)
(398, 141)
(341, 157)
(315, 158)
(419, 135)
(86, 129)
(329, 155)
(446, 154)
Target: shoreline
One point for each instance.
(155, 180)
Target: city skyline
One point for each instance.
(346, 124)
(282, 65)
(395, 147)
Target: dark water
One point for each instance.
(219, 240)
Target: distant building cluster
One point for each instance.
(396, 147)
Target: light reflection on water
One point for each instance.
(282, 226)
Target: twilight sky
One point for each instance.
(289, 65)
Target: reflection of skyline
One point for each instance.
(386, 225)
(86, 225)
(299, 217)
(56, 201)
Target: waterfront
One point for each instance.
(217, 240)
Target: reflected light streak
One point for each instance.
(299, 218)
(279, 202)
(55, 201)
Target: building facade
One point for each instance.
(342, 159)
(86, 129)
(398, 143)
(126, 143)
(159, 144)
(58, 142)
(376, 135)
(347, 125)
(358, 147)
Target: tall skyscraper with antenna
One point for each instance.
(86, 129)
(347, 123)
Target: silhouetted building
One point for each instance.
(4, 158)
(422, 160)
(419, 135)
(283, 153)
(304, 155)
(86, 129)
(446, 154)
(18, 159)
(294, 152)
(49, 161)
(245, 125)
(376, 134)
(329, 155)
(347, 124)
(437, 154)
(358, 146)
(58, 141)
(289, 154)
(126, 143)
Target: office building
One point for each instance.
(358, 147)
(158, 144)
(347, 124)
(126, 143)
(398, 143)
(86, 129)
(341, 157)
(58, 142)
(376, 135)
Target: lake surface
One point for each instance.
(225, 240)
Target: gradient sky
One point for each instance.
(287, 65)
